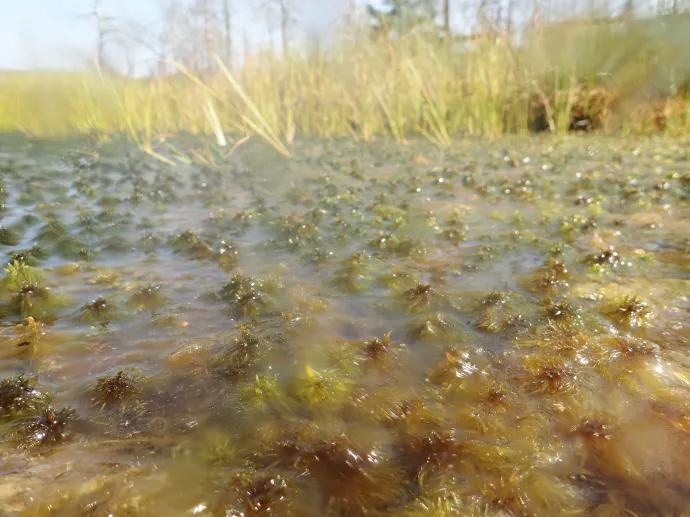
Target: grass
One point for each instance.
(365, 87)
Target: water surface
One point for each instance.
(369, 328)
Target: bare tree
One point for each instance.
(105, 26)
(227, 32)
(285, 9)
(446, 16)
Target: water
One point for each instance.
(499, 329)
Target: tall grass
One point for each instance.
(622, 76)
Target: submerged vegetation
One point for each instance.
(321, 343)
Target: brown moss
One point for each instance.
(112, 390)
(50, 428)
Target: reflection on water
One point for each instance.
(500, 330)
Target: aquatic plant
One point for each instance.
(422, 297)
(227, 255)
(20, 395)
(251, 493)
(354, 273)
(98, 311)
(628, 311)
(548, 375)
(608, 258)
(51, 232)
(24, 293)
(249, 297)
(262, 393)
(51, 427)
(8, 237)
(317, 388)
(435, 327)
(564, 312)
(499, 311)
(246, 349)
(147, 298)
(189, 244)
(30, 257)
(113, 390)
(398, 245)
(72, 248)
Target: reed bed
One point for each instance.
(613, 77)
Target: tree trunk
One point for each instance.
(227, 35)
(446, 17)
(284, 22)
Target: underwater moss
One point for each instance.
(500, 311)
(249, 297)
(245, 350)
(31, 257)
(51, 427)
(422, 297)
(8, 237)
(263, 393)
(628, 311)
(189, 244)
(147, 298)
(98, 311)
(20, 395)
(113, 390)
(24, 293)
(321, 387)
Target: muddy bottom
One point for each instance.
(498, 329)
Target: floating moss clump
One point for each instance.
(436, 327)
(500, 311)
(51, 427)
(425, 453)
(455, 230)
(606, 258)
(24, 293)
(117, 244)
(147, 298)
(263, 393)
(249, 297)
(244, 352)
(318, 256)
(50, 233)
(98, 311)
(227, 256)
(422, 297)
(549, 375)
(19, 396)
(294, 232)
(8, 237)
(257, 494)
(628, 311)
(73, 249)
(31, 257)
(321, 388)
(190, 245)
(113, 390)
(390, 243)
(563, 312)
(354, 274)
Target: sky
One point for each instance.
(59, 34)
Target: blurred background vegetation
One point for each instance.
(400, 68)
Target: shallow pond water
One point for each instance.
(499, 329)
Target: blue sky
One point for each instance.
(51, 34)
(54, 34)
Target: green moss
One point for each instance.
(20, 396)
(113, 390)
(628, 311)
(50, 428)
